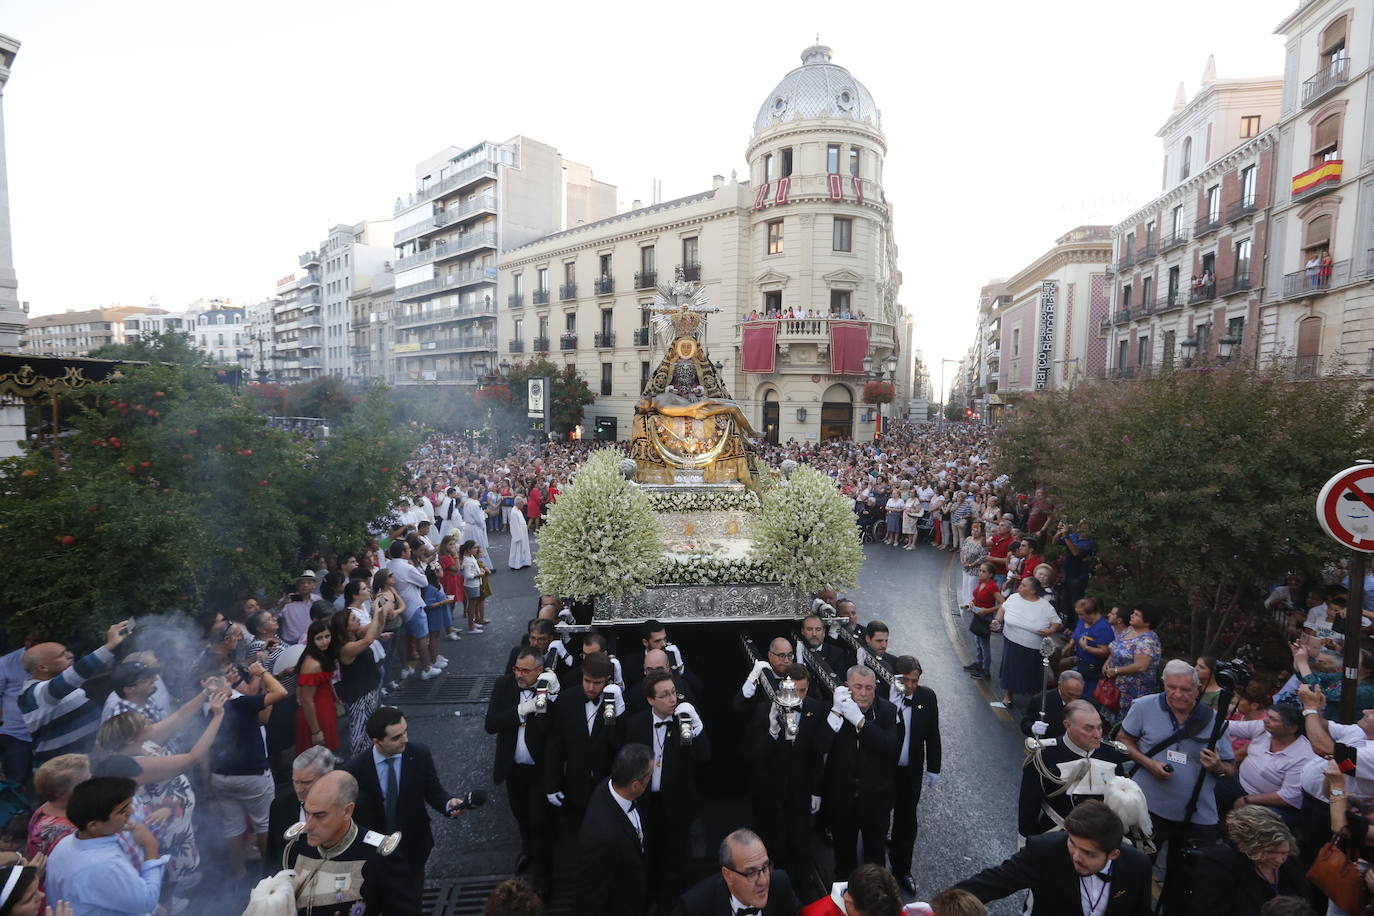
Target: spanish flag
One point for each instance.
(1329, 171)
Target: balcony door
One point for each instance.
(837, 414)
(771, 412)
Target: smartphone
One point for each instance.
(1344, 756)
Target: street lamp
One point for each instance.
(1188, 345)
(1225, 345)
(889, 367)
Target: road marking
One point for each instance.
(956, 640)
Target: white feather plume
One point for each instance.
(1126, 799)
(274, 896)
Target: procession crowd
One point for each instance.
(163, 770)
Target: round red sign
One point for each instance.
(1345, 508)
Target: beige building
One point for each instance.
(76, 333)
(372, 303)
(807, 236)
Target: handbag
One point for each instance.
(1107, 694)
(1337, 877)
(484, 590)
(980, 625)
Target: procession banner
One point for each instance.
(848, 347)
(759, 350)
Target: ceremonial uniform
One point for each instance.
(1064, 776)
(578, 751)
(340, 880)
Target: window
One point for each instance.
(519, 281)
(690, 252)
(1326, 140)
(1130, 244)
(1176, 222)
(854, 161)
(839, 303)
(1186, 166)
(1146, 287)
(1149, 234)
(643, 376)
(1316, 237)
(1123, 354)
(606, 323)
(832, 159)
(1333, 43)
(1173, 285)
(605, 378)
(1249, 126)
(1142, 351)
(1235, 329)
(768, 169)
(785, 155)
(605, 265)
(1126, 297)
(646, 259)
(1214, 203)
(843, 234)
(1204, 339)
(544, 326)
(570, 273)
(1170, 344)
(772, 303)
(1015, 342)
(1247, 186)
(519, 329)
(570, 323)
(543, 279)
(1242, 259)
(775, 236)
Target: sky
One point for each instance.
(168, 151)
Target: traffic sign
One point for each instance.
(1345, 508)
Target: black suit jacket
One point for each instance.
(1030, 814)
(612, 867)
(1233, 888)
(285, 811)
(860, 764)
(574, 761)
(678, 783)
(1054, 713)
(688, 688)
(419, 784)
(834, 658)
(1044, 867)
(710, 897)
(503, 721)
(925, 748)
(785, 771)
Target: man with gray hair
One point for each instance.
(1053, 702)
(747, 883)
(289, 807)
(336, 863)
(1065, 771)
(1167, 735)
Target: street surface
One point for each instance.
(966, 823)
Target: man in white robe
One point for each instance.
(449, 513)
(519, 537)
(475, 523)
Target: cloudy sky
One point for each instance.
(174, 150)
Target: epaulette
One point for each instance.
(384, 844)
(1118, 746)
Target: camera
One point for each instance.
(1231, 673)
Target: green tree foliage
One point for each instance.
(806, 534)
(568, 391)
(602, 537)
(176, 495)
(172, 347)
(1199, 486)
(954, 411)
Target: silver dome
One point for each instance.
(818, 88)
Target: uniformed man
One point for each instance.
(858, 787)
(780, 656)
(1061, 772)
(337, 865)
(814, 644)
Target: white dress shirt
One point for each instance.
(631, 811)
(1095, 893)
(660, 736)
(904, 757)
(522, 750)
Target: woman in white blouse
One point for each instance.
(1024, 619)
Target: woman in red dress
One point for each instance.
(317, 718)
(534, 506)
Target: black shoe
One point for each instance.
(973, 667)
(522, 862)
(908, 884)
(979, 675)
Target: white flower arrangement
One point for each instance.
(602, 536)
(805, 532)
(703, 501)
(705, 570)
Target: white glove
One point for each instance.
(618, 678)
(751, 683)
(550, 682)
(841, 694)
(611, 693)
(851, 712)
(555, 799)
(690, 711)
(566, 616)
(528, 708)
(932, 780)
(559, 649)
(675, 657)
(815, 803)
(1038, 729)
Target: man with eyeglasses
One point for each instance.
(918, 762)
(521, 728)
(858, 792)
(780, 655)
(748, 884)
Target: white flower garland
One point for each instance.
(703, 501)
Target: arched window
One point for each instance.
(1309, 346)
(1326, 139)
(771, 415)
(1316, 236)
(837, 413)
(1185, 168)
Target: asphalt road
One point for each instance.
(967, 822)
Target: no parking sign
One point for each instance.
(1345, 508)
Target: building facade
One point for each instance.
(806, 239)
(372, 302)
(469, 205)
(77, 332)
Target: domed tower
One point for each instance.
(821, 254)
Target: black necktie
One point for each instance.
(393, 793)
(631, 808)
(663, 724)
(748, 911)
(906, 702)
(1105, 876)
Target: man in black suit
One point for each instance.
(858, 792)
(289, 807)
(542, 636)
(672, 802)
(785, 785)
(813, 642)
(581, 743)
(752, 691)
(521, 727)
(918, 763)
(875, 655)
(1053, 701)
(613, 867)
(396, 779)
(1071, 870)
(747, 883)
(656, 660)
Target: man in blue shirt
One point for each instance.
(16, 744)
(1079, 560)
(90, 869)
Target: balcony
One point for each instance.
(567, 342)
(1121, 317)
(604, 286)
(309, 342)
(444, 249)
(1125, 261)
(1241, 209)
(1317, 180)
(454, 280)
(516, 346)
(360, 352)
(483, 169)
(1170, 302)
(646, 279)
(1147, 251)
(312, 363)
(452, 313)
(603, 340)
(423, 376)
(1325, 81)
(1314, 282)
(310, 257)
(567, 291)
(308, 322)
(306, 300)
(308, 280)
(1204, 293)
(1209, 223)
(817, 331)
(1144, 310)
(691, 272)
(515, 301)
(541, 345)
(643, 337)
(446, 218)
(1301, 366)
(457, 343)
(1173, 240)
(540, 297)
(1238, 283)
(1105, 325)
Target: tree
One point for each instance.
(568, 392)
(1198, 485)
(172, 347)
(953, 411)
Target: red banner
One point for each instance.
(759, 348)
(848, 347)
(762, 197)
(859, 188)
(783, 185)
(836, 187)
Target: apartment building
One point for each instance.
(468, 205)
(77, 332)
(372, 303)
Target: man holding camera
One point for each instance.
(582, 742)
(517, 716)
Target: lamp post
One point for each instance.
(1188, 345)
(889, 367)
(944, 396)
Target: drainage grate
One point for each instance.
(443, 690)
(468, 897)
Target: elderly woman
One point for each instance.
(54, 782)
(1134, 662)
(1271, 774)
(972, 553)
(1025, 619)
(1257, 862)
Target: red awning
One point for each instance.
(848, 347)
(759, 347)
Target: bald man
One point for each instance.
(337, 865)
(774, 669)
(655, 660)
(56, 710)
